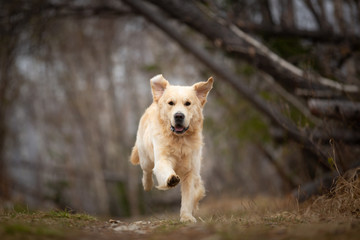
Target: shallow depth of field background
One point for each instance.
(74, 84)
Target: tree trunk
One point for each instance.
(337, 109)
(322, 136)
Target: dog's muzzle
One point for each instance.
(179, 121)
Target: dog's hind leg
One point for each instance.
(199, 192)
(147, 180)
(146, 165)
(187, 198)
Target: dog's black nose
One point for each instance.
(179, 117)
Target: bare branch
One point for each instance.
(288, 67)
(292, 100)
(321, 36)
(335, 109)
(64, 10)
(233, 40)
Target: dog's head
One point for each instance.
(180, 107)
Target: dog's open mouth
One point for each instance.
(179, 129)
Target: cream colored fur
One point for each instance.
(173, 157)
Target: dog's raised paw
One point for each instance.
(173, 181)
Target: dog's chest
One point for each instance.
(183, 153)
(180, 149)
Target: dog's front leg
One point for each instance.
(187, 198)
(164, 167)
(165, 174)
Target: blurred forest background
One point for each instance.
(74, 80)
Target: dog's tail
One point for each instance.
(134, 158)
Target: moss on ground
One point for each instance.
(20, 223)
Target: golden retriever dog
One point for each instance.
(169, 141)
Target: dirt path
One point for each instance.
(226, 218)
(260, 218)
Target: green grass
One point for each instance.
(24, 229)
(167, 226)
(66, 214)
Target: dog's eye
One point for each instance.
(187, 103)
(171, 103)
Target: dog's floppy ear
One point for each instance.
(158, 86)
(202, 89)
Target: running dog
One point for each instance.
(169, 141)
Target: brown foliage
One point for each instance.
(342, 200)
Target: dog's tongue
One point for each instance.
(179, 128)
